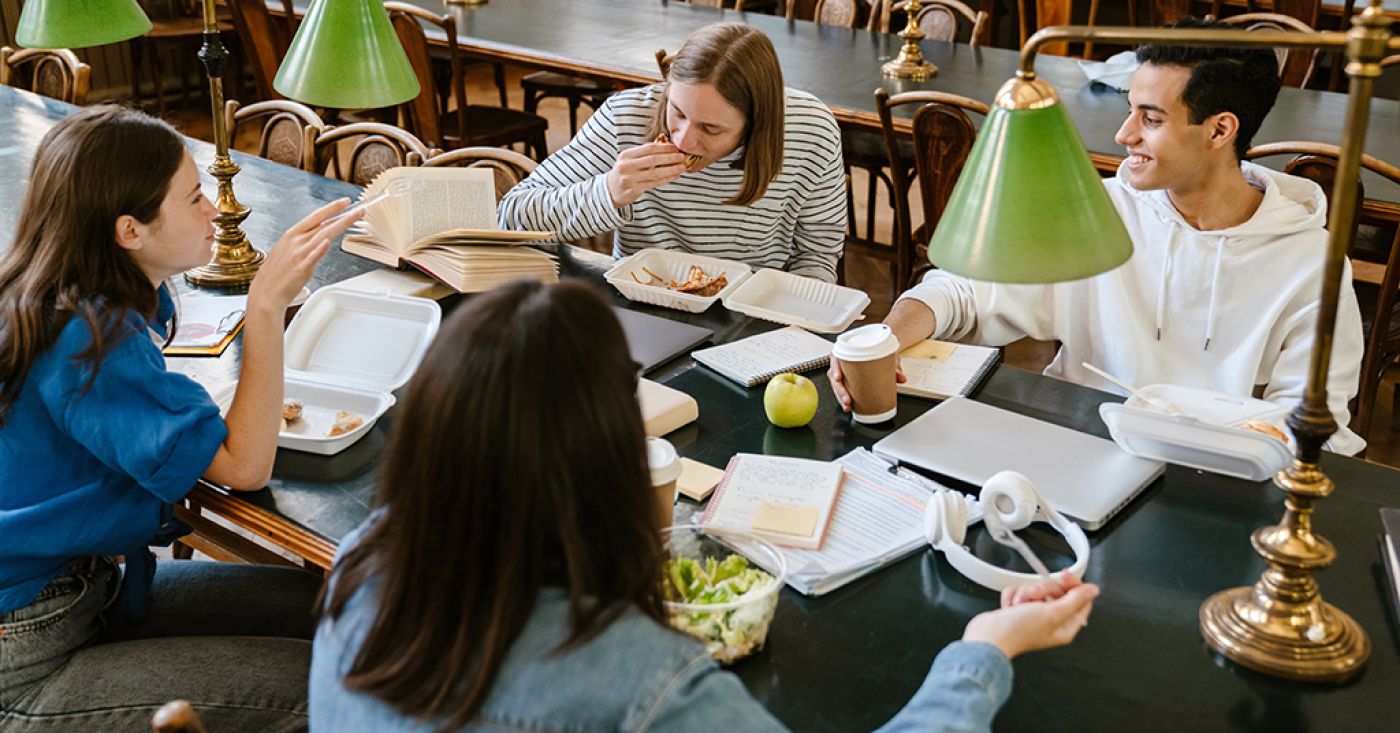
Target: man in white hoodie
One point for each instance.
(1223, 287)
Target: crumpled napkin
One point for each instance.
(1115, 73)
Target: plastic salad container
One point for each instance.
(672, 265)
(721, 597)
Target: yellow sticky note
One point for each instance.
(930, 349)
(697, 479)
(798, 521)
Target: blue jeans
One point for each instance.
(234, 640)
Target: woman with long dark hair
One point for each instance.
(97, 439)
(510, 578)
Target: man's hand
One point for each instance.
(641, 169)
(838, 382)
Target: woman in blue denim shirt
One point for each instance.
(510, 578)
(97, 439)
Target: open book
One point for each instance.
(940, 369)
(445, 225)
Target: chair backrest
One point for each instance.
(55, 73)
(265, 40)
(422, 115)
(840, 13)
(943, 136)
(940, 20)
(508, 166)
(376, 148)
(283, 136)
(1295, 67)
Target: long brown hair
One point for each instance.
(91, 168)
(518, 461)
(741, 64)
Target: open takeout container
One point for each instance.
(671, 265)
(349, 350)
(1206, 435)
(794, 300)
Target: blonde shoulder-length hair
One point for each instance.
(740, 63)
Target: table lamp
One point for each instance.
(1028, 208)
(346, 55)
(79, 23)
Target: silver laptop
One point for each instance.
(1086, 478)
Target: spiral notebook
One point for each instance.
(939, 369)
(787, 501)
(755, 360)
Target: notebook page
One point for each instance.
(766, 354)
(756, 479)
(941, 368)
(204, 321)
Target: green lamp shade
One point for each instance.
(1029, 206)
(347, 56)
(79, 23)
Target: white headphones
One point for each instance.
(1008, 502)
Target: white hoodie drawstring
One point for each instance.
(1162, 283)
(1214, 290)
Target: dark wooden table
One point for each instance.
(849, 660)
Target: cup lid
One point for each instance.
(875, 341)
(664, 461)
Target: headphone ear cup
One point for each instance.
(1012, 498)
(945, 518)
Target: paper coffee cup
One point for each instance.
(867, 356)
(665, 470)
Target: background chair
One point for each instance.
(265, 39)
(284, 131)
(1295, 67)
(177, 32)
(575, 90)
(441, 117)
(55, 73)
(940, 20)
(1375, 256)
(508, 166)
(374, 148)
(942, 137)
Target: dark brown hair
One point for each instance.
(94, 166)
(741, 64)
(518, 461)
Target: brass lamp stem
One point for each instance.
(1280, 625)
(910, 63)
(234, 262)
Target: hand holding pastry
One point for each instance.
(643, 168)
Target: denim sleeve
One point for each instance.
(968, 683)
(702, 698)
(157, 427)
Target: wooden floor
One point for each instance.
(861, 272)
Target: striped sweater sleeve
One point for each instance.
(821, 223)
(568, 192)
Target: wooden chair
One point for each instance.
(265, 39)
(284, 131)
(839, 13)
(1295, 67)
(55, 73)
(441, 117)
(942, 137)
(1376, 263)
(177, 30)
(940, 20)
(508, 166)
(177, 716)
(377, 147)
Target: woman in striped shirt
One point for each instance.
(719, 160)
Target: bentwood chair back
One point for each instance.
(374, 148)
(943, 135)
(508, 166)
(940, 20)
(284, 127)
(839, 13)
(1375, 257)
(441, 117)
(1295, 67)
(55, 73)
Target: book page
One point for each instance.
(940, 369)
(755, 480)
(204, 321)
(766, 354)
(450, 198)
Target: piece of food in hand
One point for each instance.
(729, 634)
(344, 423)
(1259, 426)
(291, 411)
(690, 160)
(696, 282)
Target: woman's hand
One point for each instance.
(641, 169)
(1035, 616)
(293, 259)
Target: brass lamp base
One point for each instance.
(904, 67)
(1312, 642)
(225, 274)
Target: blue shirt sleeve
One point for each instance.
(157, 427)
(968, 684)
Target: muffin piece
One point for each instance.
(291, 410)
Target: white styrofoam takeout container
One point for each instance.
(672, 265)
(1205, 436)
(794, 300)
(349, 350)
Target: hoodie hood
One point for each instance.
(1291, 205)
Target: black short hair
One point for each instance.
(1242, 81)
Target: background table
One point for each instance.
(849, 660)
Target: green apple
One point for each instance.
(790, 400)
